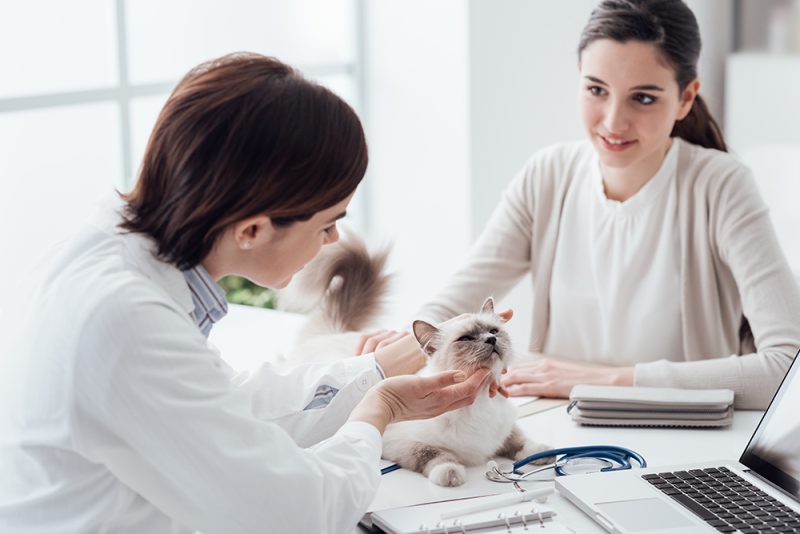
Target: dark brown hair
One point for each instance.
(240, 136)
(671, 26)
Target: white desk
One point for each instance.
(554, 427)
(249, 336)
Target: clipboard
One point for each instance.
(428, 518)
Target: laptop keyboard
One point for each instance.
(726, 501)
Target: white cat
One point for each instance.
(341, 290)
(443, 446)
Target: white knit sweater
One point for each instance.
(731, 268)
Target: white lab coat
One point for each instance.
(116, 415)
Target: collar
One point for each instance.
(209, 299)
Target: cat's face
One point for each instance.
(467, 342)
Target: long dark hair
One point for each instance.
(671, 26)
(240, 136)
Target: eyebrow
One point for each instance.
(341, 215)
(649, 87)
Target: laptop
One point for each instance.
(760, 492)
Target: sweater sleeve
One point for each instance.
(499, 258)
(745, 241)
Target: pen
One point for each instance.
(498, 501)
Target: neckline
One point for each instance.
(650, 191)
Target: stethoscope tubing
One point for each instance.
(621, 455)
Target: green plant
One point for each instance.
(241, 291)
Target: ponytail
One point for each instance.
(700, 128)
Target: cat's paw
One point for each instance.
(448, 474)
(531, 448)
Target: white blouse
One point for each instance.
(616, 267)
(117, 416)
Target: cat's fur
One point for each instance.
(341, 290)
(443, 446)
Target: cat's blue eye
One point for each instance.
(466, 338)
(493, 331)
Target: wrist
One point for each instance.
(374, 410)
(623, 376)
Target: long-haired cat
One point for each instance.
(341, 290)
(442, 447)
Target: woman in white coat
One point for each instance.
(117, 416)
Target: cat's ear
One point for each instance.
(427, 336)
(488, 306)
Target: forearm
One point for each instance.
(752, 377)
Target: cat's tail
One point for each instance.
(342, 289)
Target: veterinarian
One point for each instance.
(653, 259)
(117, 416)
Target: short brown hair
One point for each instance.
(240, 136)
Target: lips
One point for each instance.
(616, 144)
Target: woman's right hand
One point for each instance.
(408, 397)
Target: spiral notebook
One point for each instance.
(438, 518)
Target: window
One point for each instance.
(84, 80)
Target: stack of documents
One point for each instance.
(638, 406)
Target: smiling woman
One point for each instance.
(653, 259)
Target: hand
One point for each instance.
(555, 378)
(408, 397)
(402, 357)
(378, 339)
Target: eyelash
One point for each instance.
(329, 229)
(640, 98)
(466, 338)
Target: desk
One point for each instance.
(249, 336)
(554, 427)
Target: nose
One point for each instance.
(615, 120)
(491, 340)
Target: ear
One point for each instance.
(687, 99)
(427, 336)
(248, 232)
(488, 306)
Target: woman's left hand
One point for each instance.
(548, 377)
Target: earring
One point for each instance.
(247, 245)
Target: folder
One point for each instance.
(656, 407)
(438, 518)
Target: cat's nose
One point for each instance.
(491, 340)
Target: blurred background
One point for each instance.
(455, 95)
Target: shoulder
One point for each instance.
(551, 169)
(560, 156)
(712, 172)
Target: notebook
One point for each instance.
(438, 518)
(644, 406)
(760, 492)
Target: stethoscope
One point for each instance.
(606, 458)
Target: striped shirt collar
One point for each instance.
(209, 299)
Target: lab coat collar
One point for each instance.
(141, 250)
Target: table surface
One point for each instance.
(249, 336)
(659, 446)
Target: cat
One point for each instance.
(342, 291)
(442, 447)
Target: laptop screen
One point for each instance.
(774, 449)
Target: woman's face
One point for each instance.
(278, 253)
(629, 100)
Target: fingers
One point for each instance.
(442, 380)
(370, 342)
(395, 336)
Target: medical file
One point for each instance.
(428, 518)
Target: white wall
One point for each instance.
(416, 100)
(458, 94)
